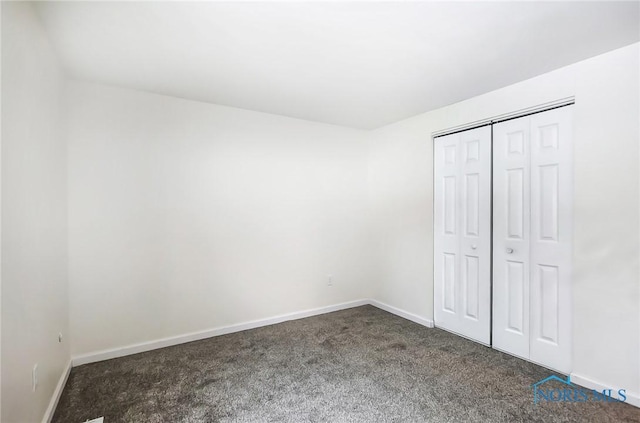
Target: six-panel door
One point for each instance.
(532, 232)
(462, 227)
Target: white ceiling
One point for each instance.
(358, 64)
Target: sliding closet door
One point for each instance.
(511, 227)
(532, 226)
(462, 233)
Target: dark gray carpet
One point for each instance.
(357, 365)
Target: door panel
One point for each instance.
(515, 277)
(471, 277)
(511, 236)
(450, 196)
(449, 282)
(462, 231)
(445, 223)
(532, 232)
(551, 233)
(472, 211)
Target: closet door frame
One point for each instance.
(565, 365)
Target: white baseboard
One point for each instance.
(94, 357)
(633, 398)
(405, 314)
(79, 360)
(53, 403)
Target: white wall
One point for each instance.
(606, 211)
(34, 231)
(186, 216)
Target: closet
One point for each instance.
(502, 232)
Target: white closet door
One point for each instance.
(446, 239)
(511, 236)
(462, 229)
(532, 224)
(551, 238)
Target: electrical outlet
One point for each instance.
(34, 377)
(59, 336)
(329, 280)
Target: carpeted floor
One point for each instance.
(356, 365)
